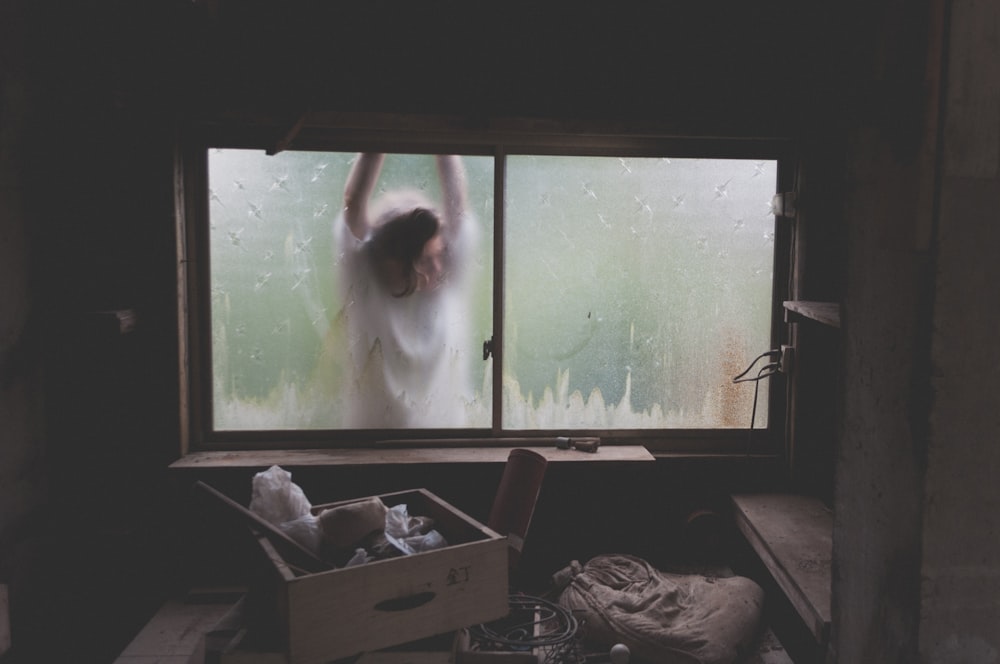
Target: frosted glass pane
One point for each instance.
(283, 355)
(636, 289)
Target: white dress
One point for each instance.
(407, 357)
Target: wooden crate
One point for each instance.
(324, 616)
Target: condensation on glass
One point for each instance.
(283, 307)
(636, 288)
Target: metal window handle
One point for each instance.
(487, 349)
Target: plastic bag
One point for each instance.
(276, 498)
(411, 534)
(360, 557)
(305, 530)
(399, 523)
(282, 502)
(428, 542)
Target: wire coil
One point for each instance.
(533, 623)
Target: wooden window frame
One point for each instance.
(407, 134)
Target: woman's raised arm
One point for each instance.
(358, 191)
(451, 171)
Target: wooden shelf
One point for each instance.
(827, 313)
(793, 536)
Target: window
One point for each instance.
(613, 290)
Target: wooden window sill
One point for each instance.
(394, 456)
(793, 536)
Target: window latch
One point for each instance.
(784, 204)
(487, 349)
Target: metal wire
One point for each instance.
(533, 623)
(766, 371)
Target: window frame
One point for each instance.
(430, 136)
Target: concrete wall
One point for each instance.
(916, 533)
(960, 607)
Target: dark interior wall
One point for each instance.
(23, 481)
(961, 523)
(915, 536)
(880, 463)
(700, 70)
(92, 94)
(88, 424)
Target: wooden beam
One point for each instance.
(289, 135)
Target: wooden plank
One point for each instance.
(793, 535)
(438, 649)
(374, 456)
(174, 634)
(827, 313)
(768, 650)
(392, 657)
(236, 652)
(230, 642)
(237, 656)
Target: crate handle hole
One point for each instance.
(405, 603)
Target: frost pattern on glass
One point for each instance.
(279, 337)
(637, 288)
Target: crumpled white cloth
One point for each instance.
(663, 617)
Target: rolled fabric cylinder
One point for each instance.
(514, 503)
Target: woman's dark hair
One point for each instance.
(401, 239)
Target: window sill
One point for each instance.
(793, 536)
(370, 456)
